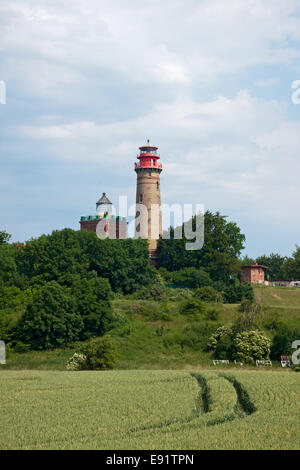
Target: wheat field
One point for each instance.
(221, 409)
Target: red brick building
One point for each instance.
(109, 225)
(255, 274)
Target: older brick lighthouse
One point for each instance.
(148, 205)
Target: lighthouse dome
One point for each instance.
(103, 205)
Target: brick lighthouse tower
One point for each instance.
(148, 218)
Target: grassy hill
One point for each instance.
(150, 336)
(162, 410)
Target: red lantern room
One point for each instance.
(148, 157)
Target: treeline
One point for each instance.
(57, 289)
(279, 267)
(216, 265)
(68, 253)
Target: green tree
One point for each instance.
(51, 319)
(275, 264)
(67, 253)
(93, 305)
(291, 268)
(223, 243)
(4, 237)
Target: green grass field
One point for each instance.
(283, 297)
(229, 409)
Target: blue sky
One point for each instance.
(208, 81)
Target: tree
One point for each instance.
(223, 243)
(8, 266)
(66, 253)
(4, 237)
(51, 319)
(93, 305)
(275, 264)
(291, 268)
(59, 315)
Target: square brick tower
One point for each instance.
(112, 226)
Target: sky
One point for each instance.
(210, 82)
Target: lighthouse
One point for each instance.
(148, 204)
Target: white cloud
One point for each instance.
(156, 69)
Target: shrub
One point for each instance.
(178, 294)
(100, 354)
(212, 315)
(194, 337)
(236, 292)
(155, 292)
(77, 362)
(251, 345)
(193, 307)
(223, 332)
(208, 294)
(249, 318)
(191, 277)
(21, 348)
(282, 341)
(154, 311)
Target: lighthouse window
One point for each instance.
(149, 174)
(141, 197)
(157, 185)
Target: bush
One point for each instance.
(282, 341)
(249, 318)
(100, 354)
(155, 292)
(58, 316)
(212, 315)
(251, 345)
(246, 346)
(194, 337)
(21, 348)
(208, 294)
(77, 362)
(154, 311)
(193, 307)
(191, 277)
(236, 292)
(178, 294)
(222, 333)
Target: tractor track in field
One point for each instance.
(243, 407)
(204, 404)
